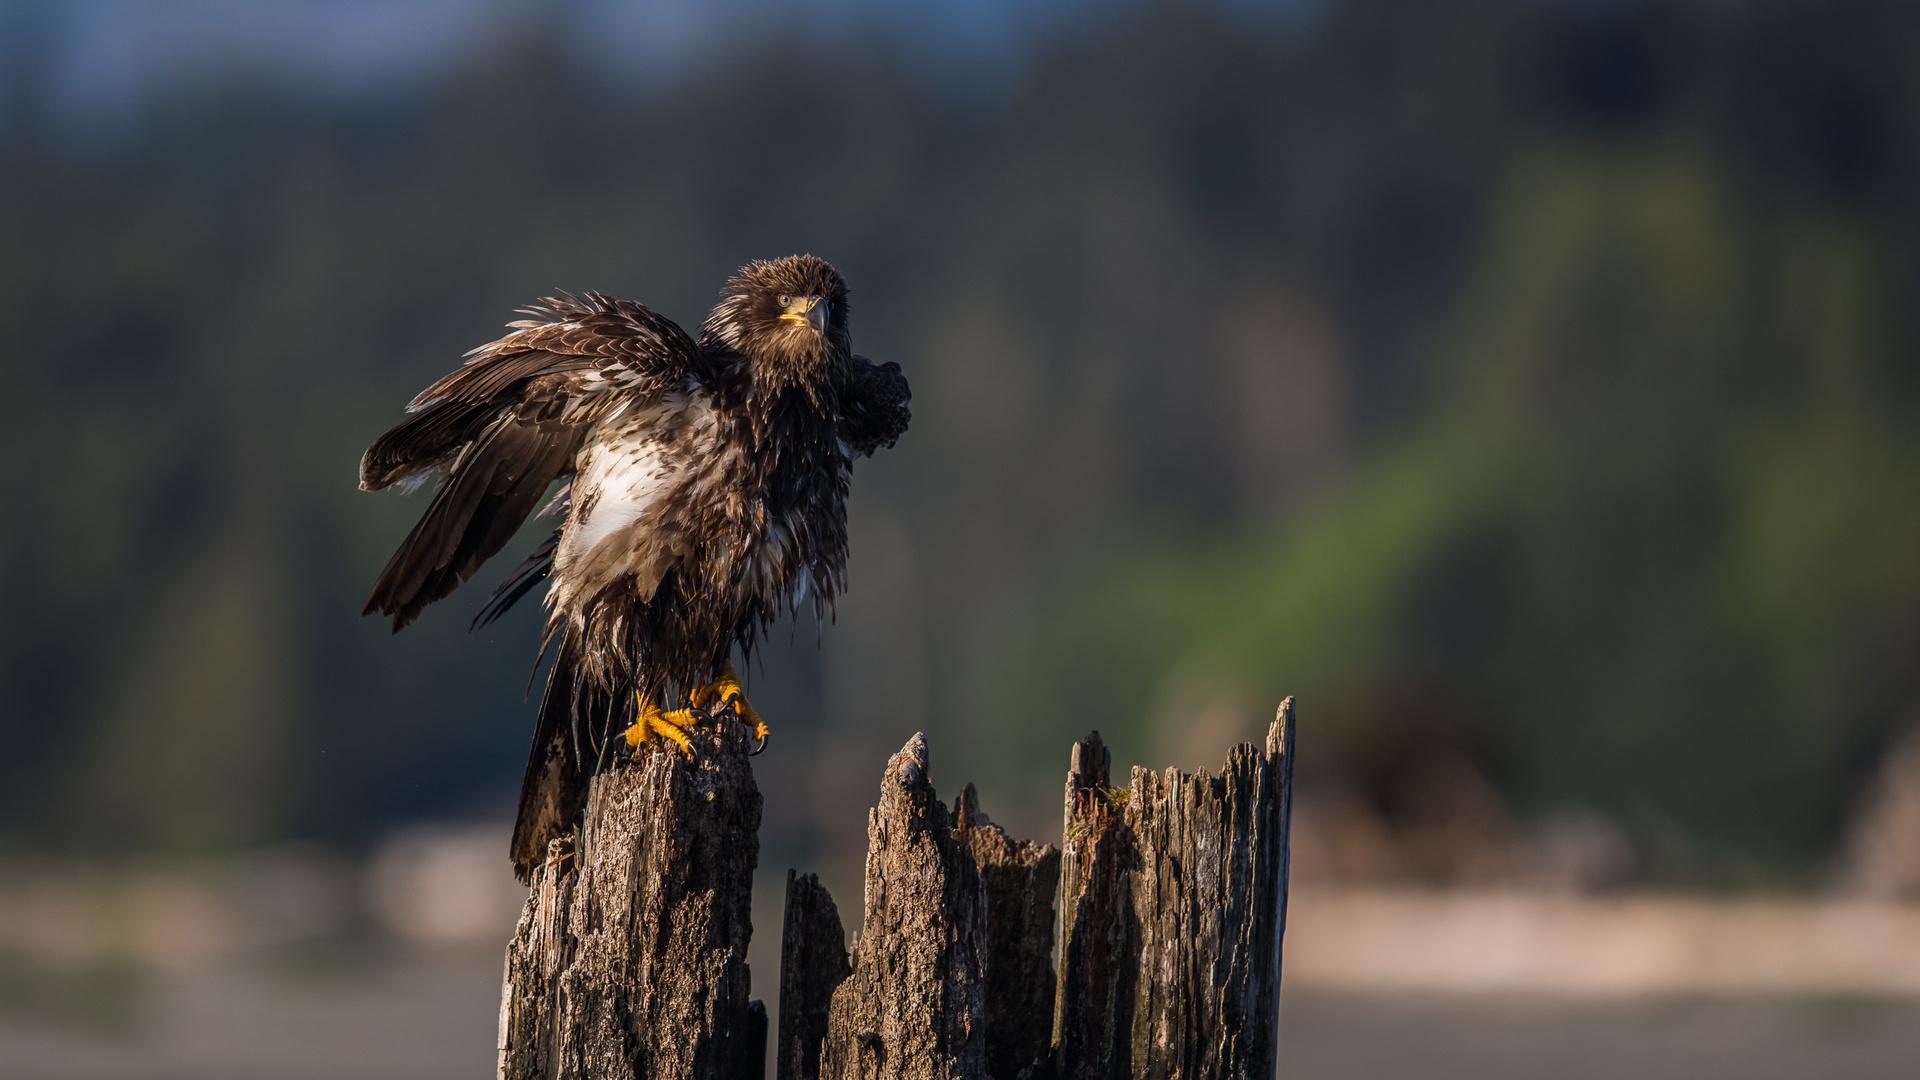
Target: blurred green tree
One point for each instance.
(1543, 373)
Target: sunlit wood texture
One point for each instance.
(1172, 900)
(1149, 947)
(630, 960)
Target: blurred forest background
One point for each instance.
(1532, 388)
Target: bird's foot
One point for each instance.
(654, 722)
(725, 693)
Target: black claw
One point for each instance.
(764, 739)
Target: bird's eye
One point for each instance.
(785, 300)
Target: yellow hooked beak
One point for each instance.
(811, 310)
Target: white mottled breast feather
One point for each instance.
(636, 462)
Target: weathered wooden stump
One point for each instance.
(1173, 898)
(1164, 960)
(1020, 879)
(813, 963)
(630, 959)
(914, 1007)
(1166, 957)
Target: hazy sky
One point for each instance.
(106, 53)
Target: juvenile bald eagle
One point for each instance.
(706, 496)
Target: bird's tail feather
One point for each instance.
(553, 794)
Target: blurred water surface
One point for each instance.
(298, 965)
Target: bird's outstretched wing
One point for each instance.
(873, 405)
(506, 424)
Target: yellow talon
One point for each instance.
(653, 721)
(725, 691)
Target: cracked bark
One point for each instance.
(813, 963)
(630, 959)
(1172, 899)
(1020, 879)
(1173, 893)
(1163, 961)
(914, 1006)
(1095, 959)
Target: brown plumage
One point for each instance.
(706, 498)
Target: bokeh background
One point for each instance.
(1532, 387)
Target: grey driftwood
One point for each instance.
(1147, 946)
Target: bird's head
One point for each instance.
(788, 317)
